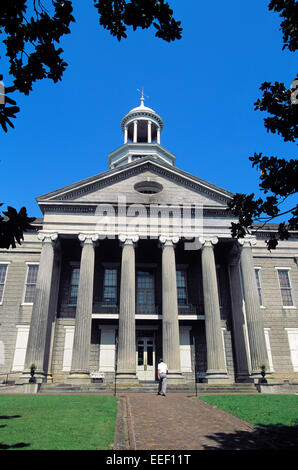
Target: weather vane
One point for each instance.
(142, 94)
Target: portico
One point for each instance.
(132, 299)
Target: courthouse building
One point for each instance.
(138, 263)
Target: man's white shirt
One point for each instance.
(162, 367)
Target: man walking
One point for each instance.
(162, 377)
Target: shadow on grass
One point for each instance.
(271, 437)
(19, 445)
(10, 417)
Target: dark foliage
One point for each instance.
(32, 33)
(13, 225)
(279, 176)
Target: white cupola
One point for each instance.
(142, 124)
(142, 128)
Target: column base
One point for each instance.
(126, 378)
(217, 378)
(175, 378)
(79, 378)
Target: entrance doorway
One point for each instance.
(145, 358)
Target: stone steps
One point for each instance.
(56, 388)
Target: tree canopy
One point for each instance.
(278, 175)
(31, 38)
(32, 34)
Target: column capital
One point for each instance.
(128, 239)
(208, 241)
(48, 237)
(168, 240)
(247, 242)
(88, 238)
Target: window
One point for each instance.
(30, 285)
(285, 287)
(3, 271)
(74, 286)
(110, 286)
(258, 279)
(145, 288)
(181, 287)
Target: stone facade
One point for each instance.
(138, 263)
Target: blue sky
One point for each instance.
(203, 86)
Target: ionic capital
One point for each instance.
(247, 242)
(48, 237)
(88, 238)
(208, 241)
(127, 239)
(166, 240)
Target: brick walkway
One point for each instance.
(180, 422)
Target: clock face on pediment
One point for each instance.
(144, 183)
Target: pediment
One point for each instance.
(178, 187)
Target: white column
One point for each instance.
(135, 131)
(255, 327)
(41, 324)
(158, 135)
(170, 322)
(216, 367)
(149, 132)
(125, 135)
(126, 364)
(82, 336)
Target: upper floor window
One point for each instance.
(74, 286)
(181, 287)
(3, 271)
(30, 284)
(285, 287)
(110, 286)
(145, 288)
(258, 279)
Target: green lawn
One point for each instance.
(65, 422)
(259, 410)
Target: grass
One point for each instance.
(259, 410)
(68, 422)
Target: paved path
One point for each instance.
(178, 422)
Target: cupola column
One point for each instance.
(135, 131)
(149, 132)
(158, 135)
(125, 135)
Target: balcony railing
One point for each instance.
(105, 307)
(143, 309)
(190, 309)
